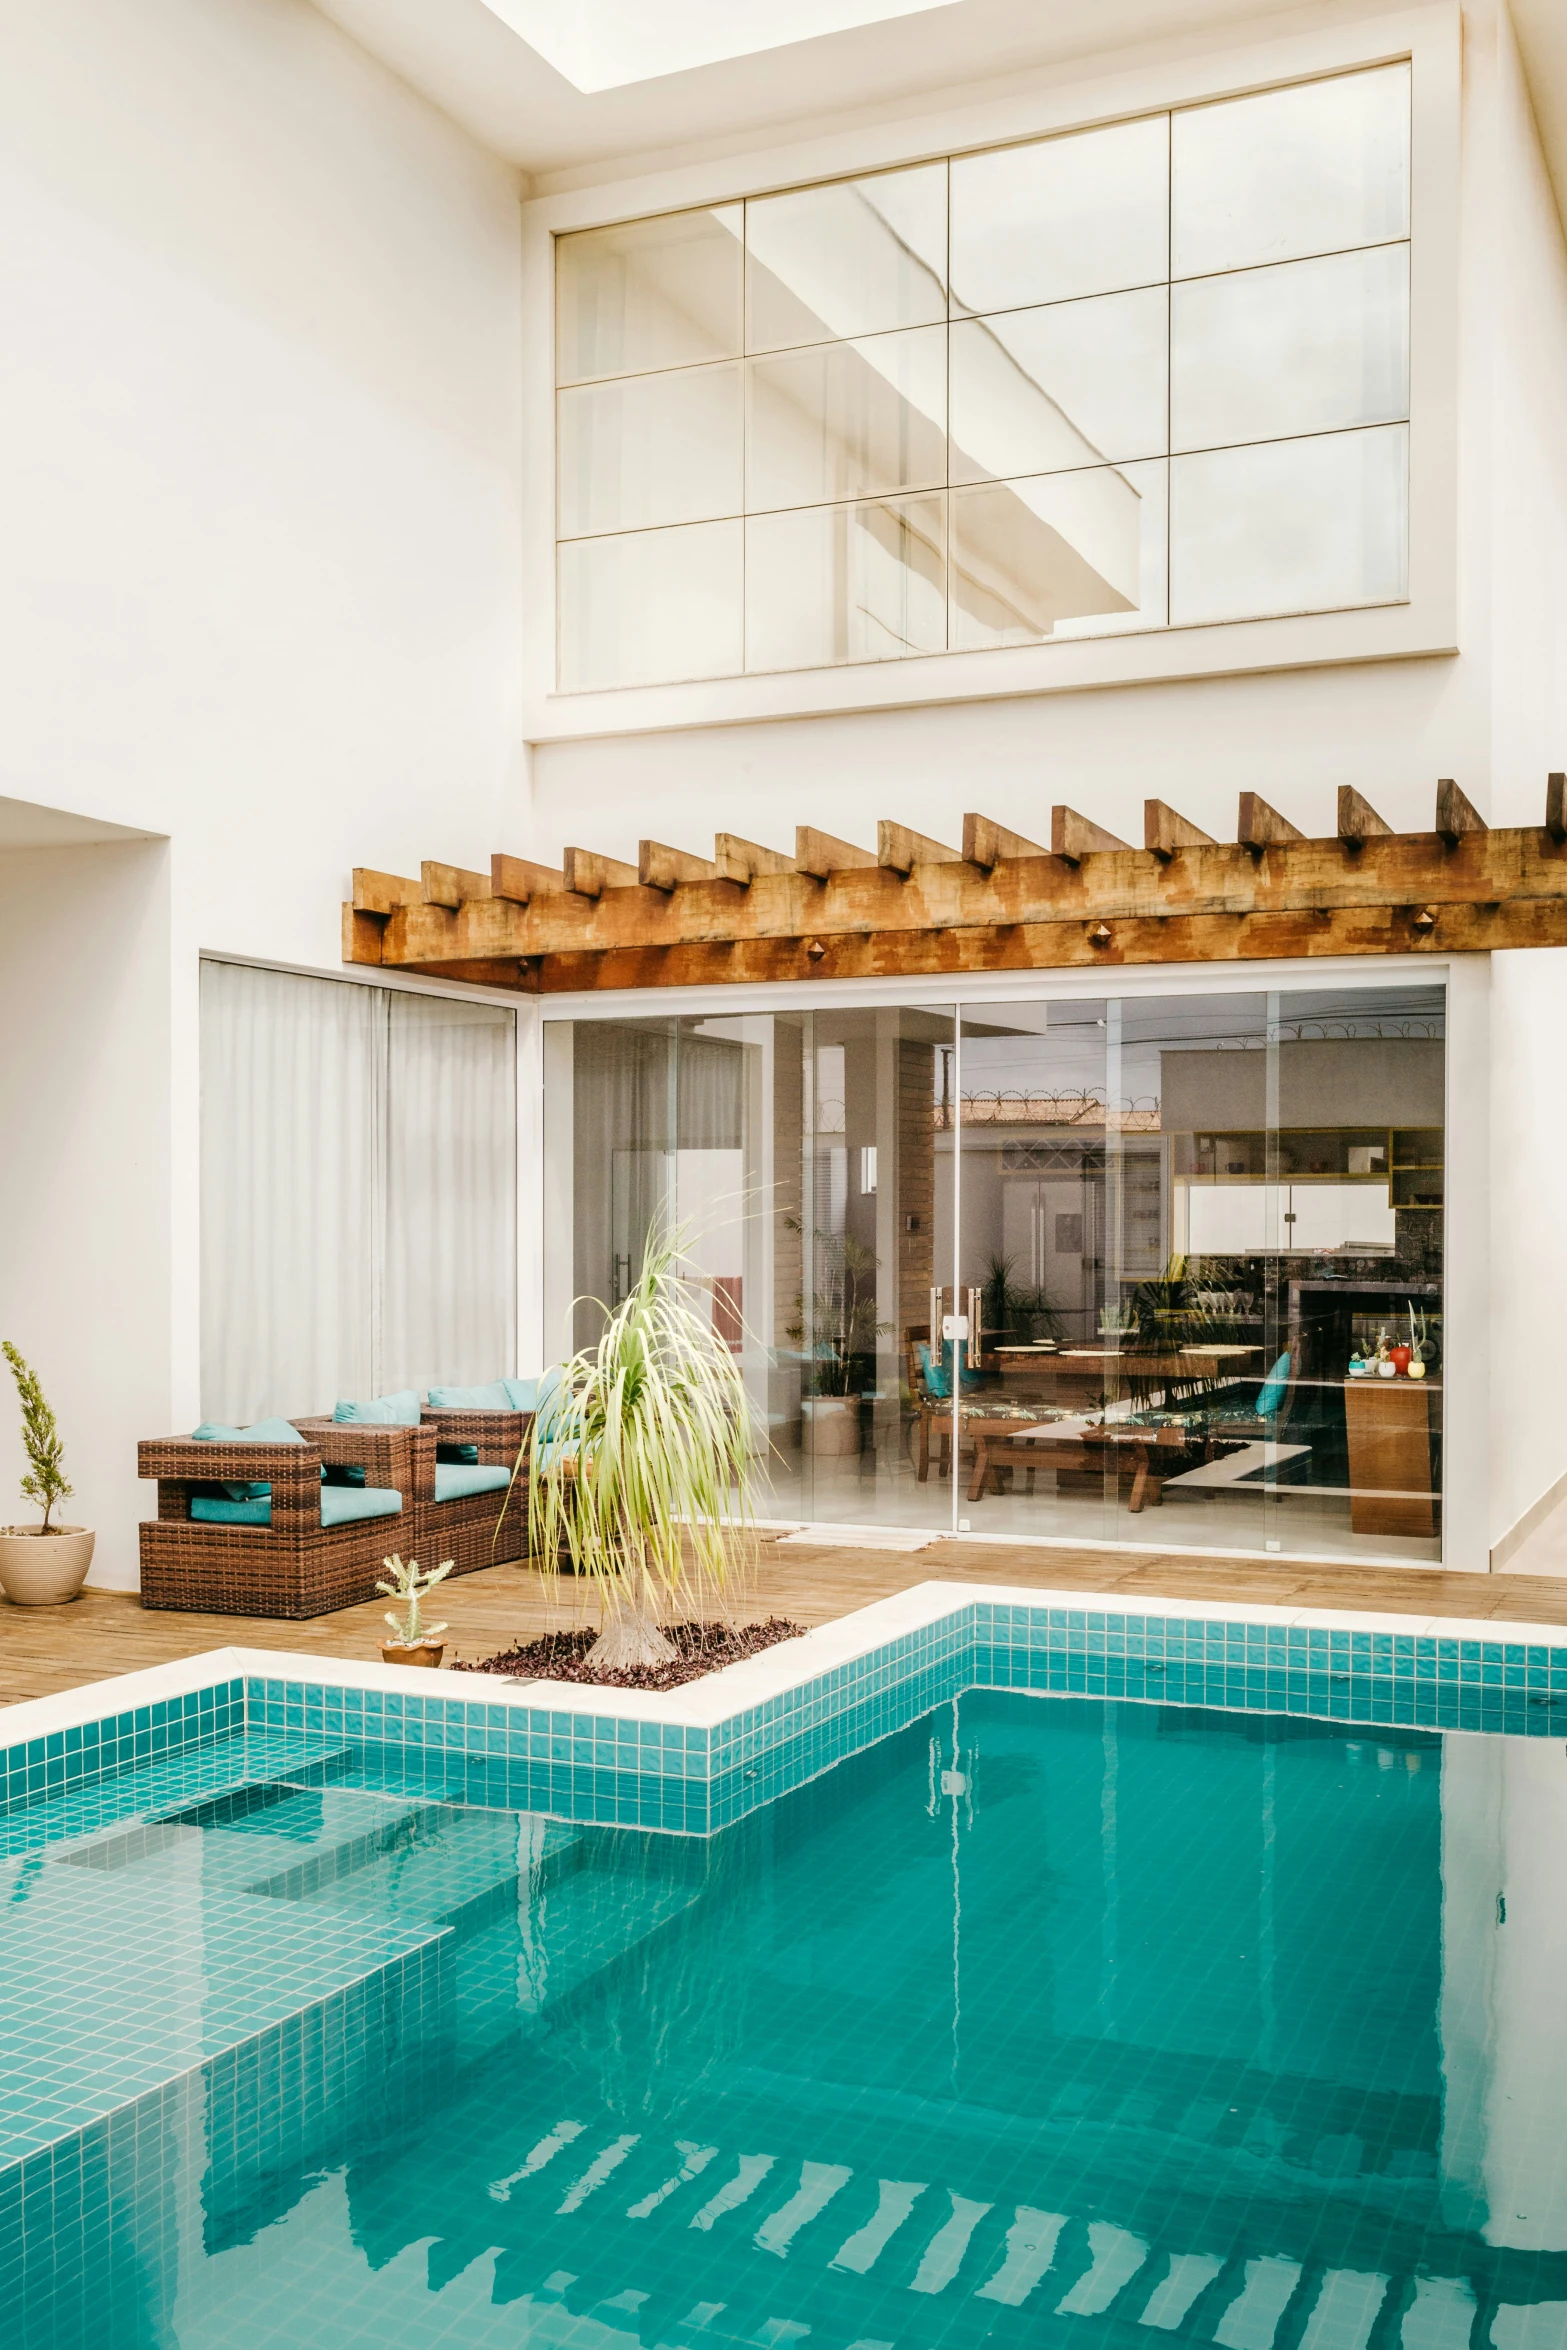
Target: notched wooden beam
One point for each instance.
(1260, 827)
(1074, 837)
(1556, 806)
(819, 854)
(899, 849)
(450, 885)
(988, 844)
(1357, 819)
(588, 874)
(362, 935)
(1456, 814)
(521, 881)
(383, 893)
(659, 867)
(743, 860)
(1165, 830)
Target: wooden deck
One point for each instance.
(103, 1633)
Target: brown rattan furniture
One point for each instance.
(294, 1566)
(472, 1531)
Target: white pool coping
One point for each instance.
(720, 1696)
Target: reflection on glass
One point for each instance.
(1083, 214)
(649, 449)
(856, 258)
(1289, 526)
(847, 420)
(845, 583)
(1314, 169)
(649, 293)
(1079, 383)
(653, 604)
(1309, 347)
(1063, 553)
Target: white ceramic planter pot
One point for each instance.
(44, 1570)
(830, 1426)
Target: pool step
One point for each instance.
(444, 1866)
(154, 1789)
(585, 1922)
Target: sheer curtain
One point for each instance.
(358, 1191)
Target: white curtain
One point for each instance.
(358, 1151)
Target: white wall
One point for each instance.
(262, 324)
(84, 1176)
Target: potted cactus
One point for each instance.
(44, 1565)
(413, 1641)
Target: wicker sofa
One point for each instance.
(316, 1547)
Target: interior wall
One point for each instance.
(1528, 1150)
(84, 1193)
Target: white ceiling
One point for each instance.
(25, 825)
(601, 99)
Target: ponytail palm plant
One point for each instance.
(641, 1461)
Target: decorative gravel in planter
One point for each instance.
(699, 1649)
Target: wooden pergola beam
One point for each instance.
(1165, 831)
(988, 844)
(899, 849)
(1075, 837)
(1357, 819)
(742, 860)
(835, 910)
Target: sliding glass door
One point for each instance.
(1161, 1270)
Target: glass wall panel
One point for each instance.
(649, 449)
(1087, 213)
(847, 420)
(1314, 169)
(1290, 526)
(857, 258)
(656, 603)
(1310, 347)
(1208, 1235)
(1079, 383)
(648, 293)
(845, 583)
(1033, 558)
(1197, 1240)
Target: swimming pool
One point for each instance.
(1003, 2014)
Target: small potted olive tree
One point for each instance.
(641, 1464)
(44, 1565)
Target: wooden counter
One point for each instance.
(1389, 1424)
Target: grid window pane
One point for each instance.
(648, 449)
(655, 604)
(1084, 214)
(845, 583)
(858, 258)
(1289, 526)
(1310, 170)
(1313, 346)
(1039, 391)
(649, 293)
(1152, 374)
(847, 420)
(1066, 554)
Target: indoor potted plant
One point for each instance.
(842, 1338)
(413, 1641)
(640, 1463)
(44, 1565)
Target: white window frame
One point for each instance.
(1425, 623)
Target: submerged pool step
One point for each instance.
(444, 1866)
(588, 1920)
(156, 1788)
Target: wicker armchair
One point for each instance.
(293, 1566)
(478, 1529)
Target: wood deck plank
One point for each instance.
(106, 1632)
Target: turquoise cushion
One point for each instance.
(273, 1431)
(1272, 1391)
(500, 1395)
(454, 1480)
(340, 1506)
(938, 1378)
(385, 1411)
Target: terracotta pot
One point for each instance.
(830, 1426)
(44, 1570)
(423, 1652)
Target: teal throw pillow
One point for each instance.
(493, 1398)
(383, 1411)
(273, 1431)
(1273, 1389)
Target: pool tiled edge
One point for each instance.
(694, 1759)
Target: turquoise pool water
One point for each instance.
(1045, 2019)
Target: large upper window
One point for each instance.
(1141, 376)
